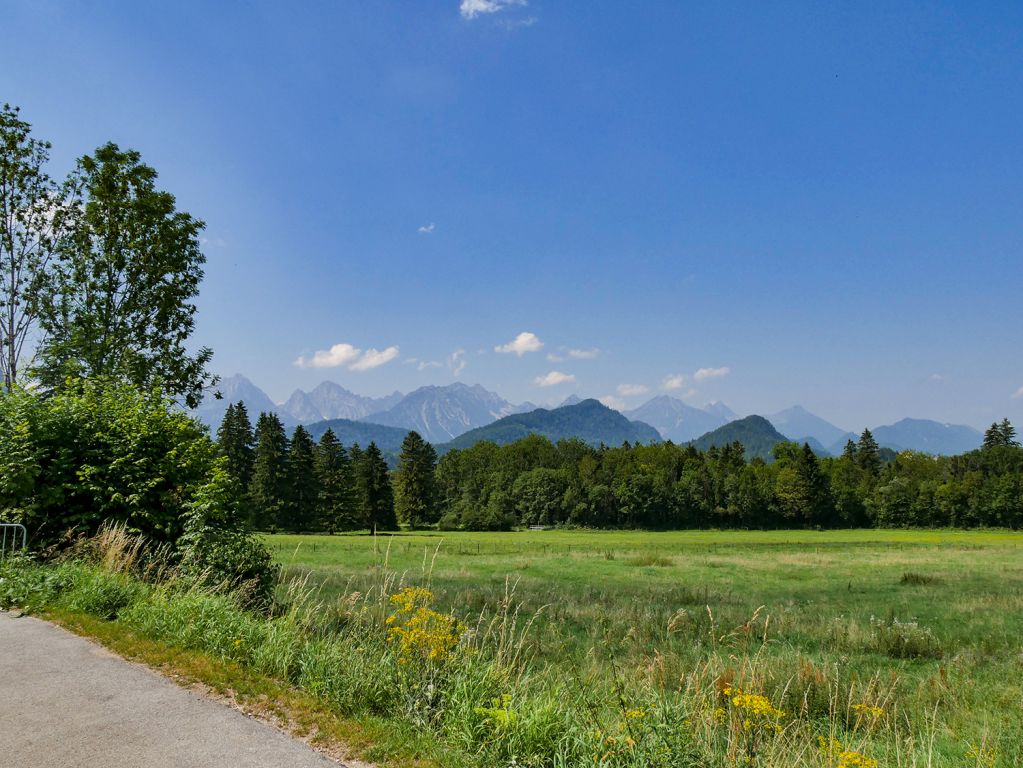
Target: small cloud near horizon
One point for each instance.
(575, 354)
(1018, 394)
(521, 344)
(632, 390)
(612, 402)
(347, 356)
(554, 378)
(427, 229)
(456, 362)
(674, 381)
(471, 9)
(711, 373)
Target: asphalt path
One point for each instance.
(66, 702)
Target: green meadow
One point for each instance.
(926, 625)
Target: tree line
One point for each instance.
(298, 486)
(295, 484)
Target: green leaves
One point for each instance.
(97, 451)
(118, 302)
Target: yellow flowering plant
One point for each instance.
(420, 633)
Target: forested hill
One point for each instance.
(588, 420)
(757, 435)
(388, 439)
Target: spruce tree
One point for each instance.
(415, 482)
(849, 452)
(268, 489)
(236, 443)
(1008, 433)
(337, 509)
(868, 455)
(993, 436)
(376, 499)
(820, 506)
(299, 512)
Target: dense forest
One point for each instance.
(297, 485)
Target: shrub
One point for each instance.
(95, 452)
(217, 551)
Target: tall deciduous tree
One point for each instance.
(31, 216)
(268, 490)
(415, 482)
(119, 300)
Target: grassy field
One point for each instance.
(926, 625)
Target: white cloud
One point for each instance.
(674, 381)
(335, 357)
(470, 9)
(632, 390)
(348, 356)
(374, 358)
(427, 229)
(574, 354)
(1018, 394)
(613, 402)
(936, 377)
(456, 362)
(520, 23)
(426, 364)
(711, 373)
(554, 378)
(521, 344)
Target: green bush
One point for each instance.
(215, 550)
(97, 452)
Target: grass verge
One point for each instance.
(379, 741)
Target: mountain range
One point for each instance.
(679, 422)
(441, 414)
(588, 420)
(757, 435)
(456, 414)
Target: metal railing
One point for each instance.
(9, 535)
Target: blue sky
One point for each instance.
(811, 203)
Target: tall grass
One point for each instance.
(712, 690)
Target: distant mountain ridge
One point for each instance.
(440, 414)
(444, 413)
(588, 420)
(799, 424)
(928, 436)
(677, 421)
(757, 435)
(332, 401)
(388, 439)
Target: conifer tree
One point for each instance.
(337, 507)
(1008, 433)
(268, 489)
(236, 443)
(849, 452)
(415, 482)
(376, 499)
(300, 510)
(868, 455)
